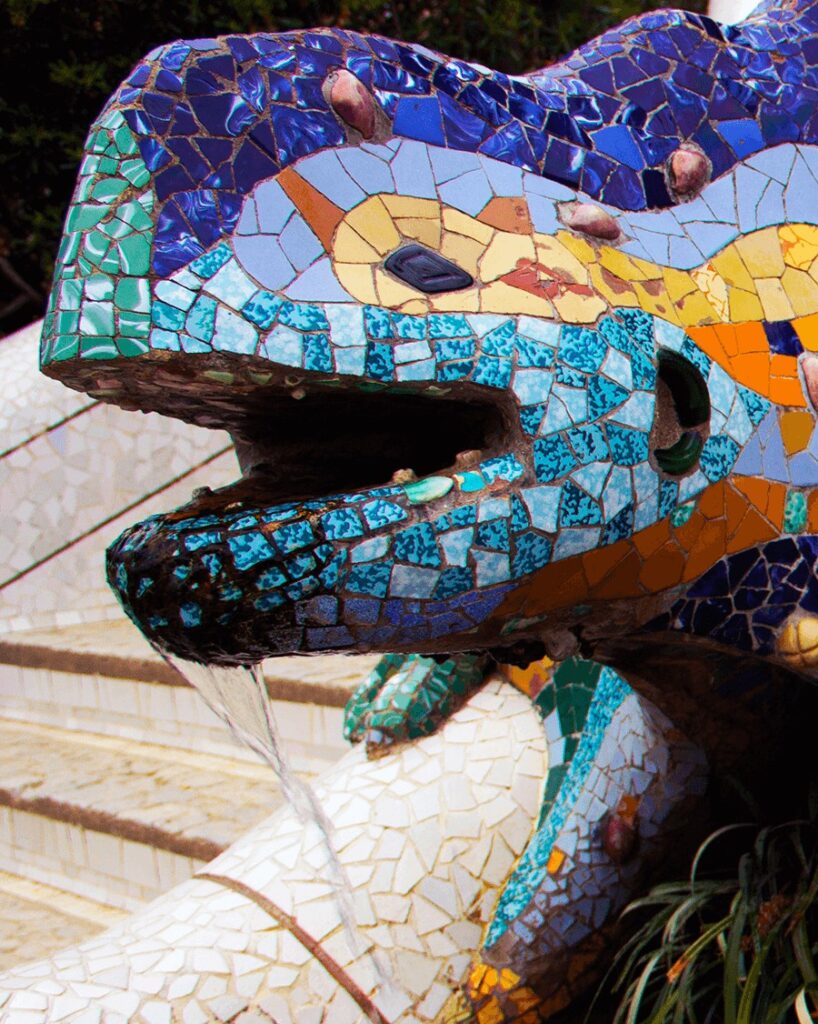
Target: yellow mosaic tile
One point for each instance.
(466, 301)
(615, 291)
(568, 276)
(503, 253)
(799, 244)
(551, 252)
(358, 280)
(579, 309)
(463, 251)
(744, 305)
(499, 297)
(581, 249)
(392, 292)
(456, 1010)
(774, 300)
(482, 980)
(798, 641)
(410, 207)
(652, 299)
(373, 222)
(801, 290)
(462, 224)
(694, 309)
(619, 263)
(710, 281)
(761, 253)
(351, 248)
(678, 283)
(732, 268)
(424, 230)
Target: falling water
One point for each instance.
(238, 695)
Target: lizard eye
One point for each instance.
(426, 270)
(683, 411)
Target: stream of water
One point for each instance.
(238, 695)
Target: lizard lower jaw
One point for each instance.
(234, 575)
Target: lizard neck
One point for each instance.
(742, 710)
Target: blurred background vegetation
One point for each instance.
(61, 61)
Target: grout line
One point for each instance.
(95, 820)
(47, 430)
(331, 966)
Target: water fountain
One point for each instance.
(517, 369)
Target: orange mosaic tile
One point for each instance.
(796, 430)
(507, 214)
(322, 215)
(664, 569)
(806, 327)
(650, 540)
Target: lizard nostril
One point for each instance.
(427, 270)
(352, 102)
(682, 414)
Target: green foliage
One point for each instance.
(61, 62)
(731, 947)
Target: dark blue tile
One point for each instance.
(420, 118)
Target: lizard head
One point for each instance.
(502, 356)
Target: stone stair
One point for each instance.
(117, 782)
(37, 919)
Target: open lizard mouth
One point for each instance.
(232, 576)
(305, 445)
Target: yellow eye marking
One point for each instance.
(769, 275)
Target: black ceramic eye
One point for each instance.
(426, 270)
(683, 408)
(687, 389)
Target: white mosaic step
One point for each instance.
(115, 820)
(93, 865)
(427, 836)
(73, 474)
(104, 678)
(37, 920)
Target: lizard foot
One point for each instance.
(409, 696)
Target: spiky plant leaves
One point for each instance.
(737, 948)
(801, 1008)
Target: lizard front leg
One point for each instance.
(409, 696)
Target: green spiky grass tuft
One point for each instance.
(736, 943)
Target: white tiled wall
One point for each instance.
(60, 480)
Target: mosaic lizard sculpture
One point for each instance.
(571, 316)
